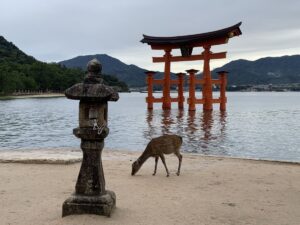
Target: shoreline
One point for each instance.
(52, 95)
(69, 155)
(210, 190)
(46, 95)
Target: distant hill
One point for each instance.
(133, 75)
(18, 71)
(269, 70)
(275, 70)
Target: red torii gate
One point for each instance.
(186, 44)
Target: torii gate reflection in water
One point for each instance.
(186, 45)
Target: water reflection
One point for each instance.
(206, 125)
(166, 121)
(222, 121)
(201, 131)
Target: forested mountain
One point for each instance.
(19, 71)
(269, 70)
(133, 75)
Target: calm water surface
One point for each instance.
(256, 125)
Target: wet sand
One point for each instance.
(210, 190)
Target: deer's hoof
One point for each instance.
(168, 175)
(153, 174)
(178, 174)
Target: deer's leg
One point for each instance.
(162, 157)
(180, 160)
(155, 167)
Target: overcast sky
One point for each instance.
(55, 30)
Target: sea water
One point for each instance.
(263, 125)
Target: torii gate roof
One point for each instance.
(195, 39)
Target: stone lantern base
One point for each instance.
(82, 204)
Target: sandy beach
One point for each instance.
(210, 190)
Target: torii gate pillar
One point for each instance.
(167, 81)
(207, 86)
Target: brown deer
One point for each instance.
(157, 147)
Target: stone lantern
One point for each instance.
(90, 195)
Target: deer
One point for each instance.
(156, 148)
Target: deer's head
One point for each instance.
(135, 167)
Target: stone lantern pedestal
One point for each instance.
(90, 195)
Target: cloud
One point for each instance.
(57, 30)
